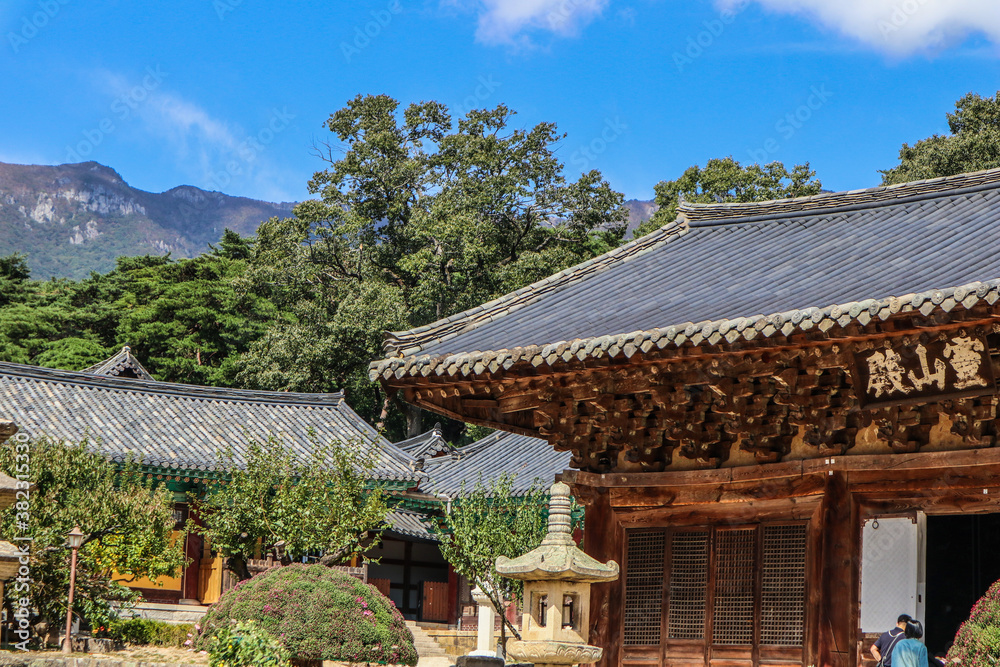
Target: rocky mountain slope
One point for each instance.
(75, 218)
(639, 211)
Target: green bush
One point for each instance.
(317, 613)
(245, 644)
(145, 632)
(977, 643)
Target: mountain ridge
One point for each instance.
(72, 219)
(75, 218)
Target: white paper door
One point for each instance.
(892, 571)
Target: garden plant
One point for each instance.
(977, 643)
(316, 613)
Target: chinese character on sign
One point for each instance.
(885, 374)
(966, 356)
(926, 377)
(959, 362)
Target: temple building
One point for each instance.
(781, 417)
(410, 568)
(177, 432)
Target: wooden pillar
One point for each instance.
(193, 547)
(453, 593)
(839, 572)
(604, 542)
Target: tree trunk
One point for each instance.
(414, 420)
(384, 415)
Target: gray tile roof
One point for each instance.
(410, 524)
(426, 444)
(122, 364)
(531, 461)
(182, 426)
(732, 271)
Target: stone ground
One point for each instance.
(144, 656)
(435, 661)
(133, 655)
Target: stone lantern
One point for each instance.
(557, 578)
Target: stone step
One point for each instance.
(424, 644)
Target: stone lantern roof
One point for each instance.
(557, 557)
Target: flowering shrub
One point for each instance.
(317, 613)
(245, 644)
(977, 643)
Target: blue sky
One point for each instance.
(231, 95)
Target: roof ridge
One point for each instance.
(193, 391)
(113, 365)
(708, 332)
(942, 186)
(406, 343)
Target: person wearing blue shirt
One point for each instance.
(911, 652)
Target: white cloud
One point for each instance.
(898, 27)
(216, 154)
(506, 21)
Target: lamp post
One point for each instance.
(74, 539)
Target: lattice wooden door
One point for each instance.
(718, 596)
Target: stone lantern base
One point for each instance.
(542, 652)
(478, 661)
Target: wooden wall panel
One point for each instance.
(382, 585)
(435, 602)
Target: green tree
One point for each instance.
(973, 145)
(487, 522)
(128, 522)
(185, 319)
(14, 267)
(726, 180)
(415, 219)
(324, 503)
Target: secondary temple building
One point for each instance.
(177, 433)
(782, 418)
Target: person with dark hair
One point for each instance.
(882, 648)
(911, 652)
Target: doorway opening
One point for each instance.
(962, 564)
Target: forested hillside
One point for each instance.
(72, 219)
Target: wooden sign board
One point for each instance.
(957, 364)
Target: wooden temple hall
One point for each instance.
(782, 418)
